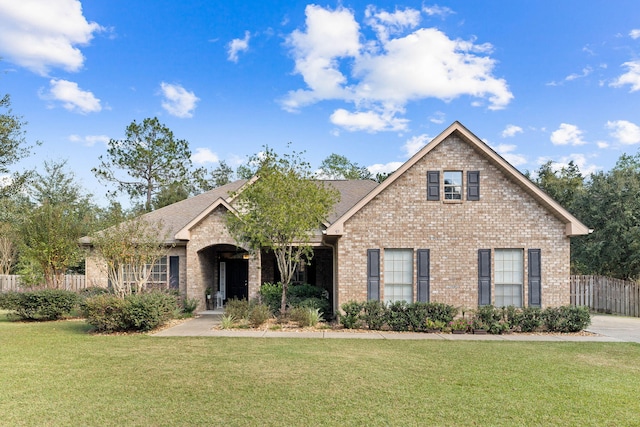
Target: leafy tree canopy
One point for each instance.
(339, 167)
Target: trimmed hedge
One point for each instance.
(138, 312)
(398, 316)
(420, 317)
(565, 318)
(45, 304)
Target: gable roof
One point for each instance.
(179, 218)
(573, 226)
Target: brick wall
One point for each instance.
(504, 217)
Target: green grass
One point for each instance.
(56, 374)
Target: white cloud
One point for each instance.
(507, 152)
(567, 134)
(635, 34)
(236, 46)
(89, 140)
(204, 155)
(177, 100)
(369, 121)
(72, 97)
(386, 24)
(631, 77)
(390, 71)
(413, 145)
(384, 168)
(625, 132)
(511, 130)
(602, 144)
(40, 35)
(585, 72)
(436, 10)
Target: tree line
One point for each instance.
(609, 204)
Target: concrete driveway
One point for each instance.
(618, 327)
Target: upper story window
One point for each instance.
(453, 185)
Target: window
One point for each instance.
(300, 273)
(158, 272)
(509, 277)
(453, 185)
(157, 278)
(398, 275)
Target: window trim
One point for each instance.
(498, 252)
(454, 186)
(408, 274)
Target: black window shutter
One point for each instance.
(174, 272)
(433, 185)
(423, 275)
(473, 185)
(484, 276)
(373, 274)
(535, 276)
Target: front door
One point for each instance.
(237, 278)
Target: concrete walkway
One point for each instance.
(608, 328)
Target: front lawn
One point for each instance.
(58, 374)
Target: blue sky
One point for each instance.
(373, 81)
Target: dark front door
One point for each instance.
(237, 278)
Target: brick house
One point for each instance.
(456, 224)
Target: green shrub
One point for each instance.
(419, 312)
(397, 316)
(45, 304)
(528, 320)
(305, 316)
(138, 312)
(9, 300)
(441, 312)
(228, 321)
(271, 295)
(566, 318)
(238, 308)
(189, 306)
(374, 315)
(351, 317)
(315, 316)
(106, 313)
(147, 311)
(258, 315)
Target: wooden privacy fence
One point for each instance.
(72, 282)
(606, 295)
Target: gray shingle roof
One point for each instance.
(178, 215)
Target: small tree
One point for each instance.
(129, 251)
(281, 210)
(150, 157)
(50, 236)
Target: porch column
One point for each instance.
(254, 275)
